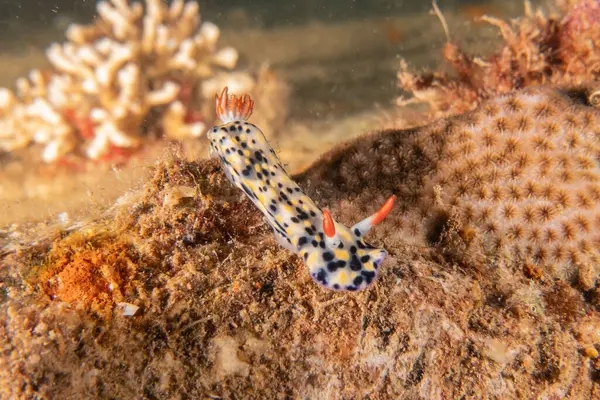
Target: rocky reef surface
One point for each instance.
(181, 291)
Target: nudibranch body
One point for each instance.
(337, 257)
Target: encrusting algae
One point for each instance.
(91, 269)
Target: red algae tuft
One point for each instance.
(537, 49)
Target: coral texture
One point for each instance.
(134, 68)
(517, 180)
(537, 49)
(221, 311)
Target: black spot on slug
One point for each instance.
(322, 276)
(369, 276)
(355, 264)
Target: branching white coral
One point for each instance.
(30, 117)
(110, 75)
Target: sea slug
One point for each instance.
(337, 257)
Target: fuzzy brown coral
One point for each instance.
(536, 49)
(226, 313)
(516, 180)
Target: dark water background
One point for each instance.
(360, 79)
(270, 12)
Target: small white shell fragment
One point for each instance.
(176, 193)
(63, 218)
(128, 309)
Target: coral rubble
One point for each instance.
(465, 307)
(134, 69)
(537, 49)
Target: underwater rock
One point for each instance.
(224, 312)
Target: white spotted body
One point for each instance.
(337, 256)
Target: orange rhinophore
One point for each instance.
(384, 210)
(328, 225)
(361, 228)
(233, 108)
